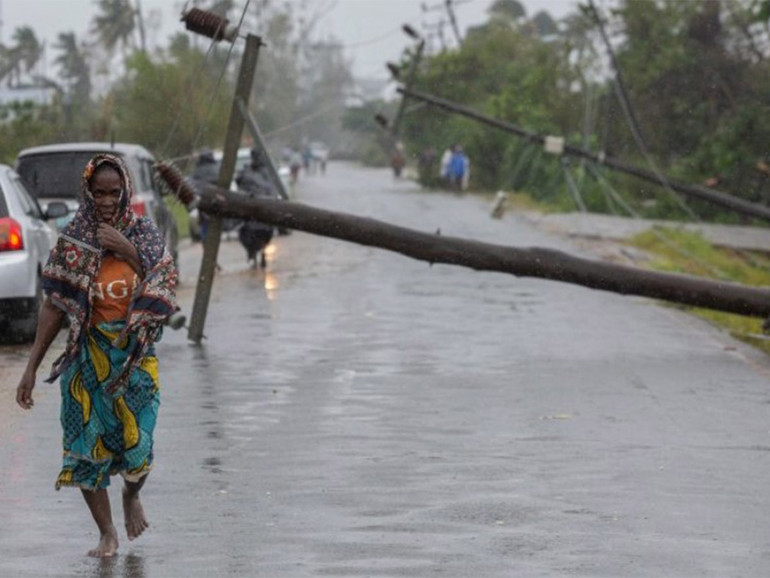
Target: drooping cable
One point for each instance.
(572, 186)
(628, 113)
(204, 123)
(608, 188)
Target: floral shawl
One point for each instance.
(74, 264)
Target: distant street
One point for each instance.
(353, 412)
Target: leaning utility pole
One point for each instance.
(695, 191)
(215, 27)
(411, 77)
(259, 143)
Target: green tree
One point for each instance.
(508, 10)
(698, 95)
(115, 24)
(171, 104)
(23, 55)
(327, 82)
(73, 67)
(505, 72)
(75, 74)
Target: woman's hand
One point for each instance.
(24, 390)
(113, 240)
(49, 321)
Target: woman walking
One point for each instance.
(111, 275)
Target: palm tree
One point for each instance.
(23, 54)
(7, 62)
(115, 24)
(27, 47)
(73, 66)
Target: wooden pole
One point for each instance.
(411, 77)
(226, 170)
(524, 262)
(259, 142)
(695, 191)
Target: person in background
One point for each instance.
(397, 159)
(443, 171)
(295, 164)
(111, 274)
(426, 167)
(254, 180)
(307, 159)
(459, 169)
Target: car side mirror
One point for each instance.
(56, 209)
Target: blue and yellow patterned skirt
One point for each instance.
(104, 434)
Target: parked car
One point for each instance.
(53, 173)
(26, 239)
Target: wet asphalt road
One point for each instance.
(357, 413)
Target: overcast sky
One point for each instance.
(368, 28)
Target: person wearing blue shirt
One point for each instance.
(458, 170)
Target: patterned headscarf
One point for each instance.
(74, 264)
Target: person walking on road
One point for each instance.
(111, 274)
(443, 171)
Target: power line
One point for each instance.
(219, 82)
(628, 113)
(301, 120)
(371, 41)
(204, 122)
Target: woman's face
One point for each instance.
(106, 190)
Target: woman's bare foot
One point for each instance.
(108, 545)
(136, 523)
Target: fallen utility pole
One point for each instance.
(523, 262)
(696, 191)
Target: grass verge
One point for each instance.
(179, 212)
(689, 253)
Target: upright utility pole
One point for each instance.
(453, 20)
(226, 170)
(140, 26)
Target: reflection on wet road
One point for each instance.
(353, 412)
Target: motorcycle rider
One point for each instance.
(254, 180)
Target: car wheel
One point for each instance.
(23, 330)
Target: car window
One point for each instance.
(145, 175)
(148, 173)
(54, 175)
(29, 204)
